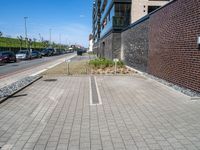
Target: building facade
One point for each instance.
(90, 43)
(111, 17)
(140, 8)
(114, 16)
(96, 20)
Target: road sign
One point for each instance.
(116, 60)
(67, 60)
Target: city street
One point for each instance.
(131, 112)
(27, 64)
(25, 69)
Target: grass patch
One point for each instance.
(75, 68)
(85, 67)
(102, 63)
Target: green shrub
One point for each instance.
(102, 63)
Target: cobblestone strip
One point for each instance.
(95, 135)
(142, 138)
(26, 110)
(75, 116)
(176, 123)
(40, 114)
(113, 120)
(85, 121)
(106, 137)
(45, 137)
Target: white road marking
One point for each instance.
(97, 88)
(41, 71)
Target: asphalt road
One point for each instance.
(11, 68)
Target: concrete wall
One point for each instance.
(116, 45)
(109, 46)
(173, 50)
(134, 46)
(140, 8)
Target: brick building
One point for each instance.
(173, 51)
(162, 43)
(110, 17)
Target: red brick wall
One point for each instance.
(173, 51)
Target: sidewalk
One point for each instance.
(136, 113)
(32, 71)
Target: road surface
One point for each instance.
(23, 65)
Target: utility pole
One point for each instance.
(25, 19)
(60, 40)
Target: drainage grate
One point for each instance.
(15, 65)
(195, 98)
(50, 80)
(95, 99)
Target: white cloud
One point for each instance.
(82, 16)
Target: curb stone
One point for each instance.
(188, 92)
(3, 99)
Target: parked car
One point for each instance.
(36, 54)
(24, 55)
(48, 52)
(81, 51)
(7, 56)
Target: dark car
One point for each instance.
(36, 54)
(80, 52)
(48, 52)
(7, 56)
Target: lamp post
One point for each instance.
(60, 41)
(25, 19)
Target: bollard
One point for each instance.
(67, 61)
(116, 61)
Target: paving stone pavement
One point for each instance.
(136, 114)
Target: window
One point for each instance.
(152, 8)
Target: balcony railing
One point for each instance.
(120, 22)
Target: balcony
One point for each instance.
(120, 22)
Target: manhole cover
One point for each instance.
(50, 80)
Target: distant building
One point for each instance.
(140, 8)
(91, 43)
(110, 17)
(96, 20)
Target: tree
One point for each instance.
(46, 43)
(34, 42)
(1, 34)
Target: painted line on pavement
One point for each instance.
(97, 87)
(26, 69)
(41, 71)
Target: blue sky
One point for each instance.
(69, 18)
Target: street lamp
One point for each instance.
(60, 40)
(25, 18)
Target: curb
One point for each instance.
(146, 75)
(20, 89)
(133, 69)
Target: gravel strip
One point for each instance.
(14, 87)
(183, 90)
